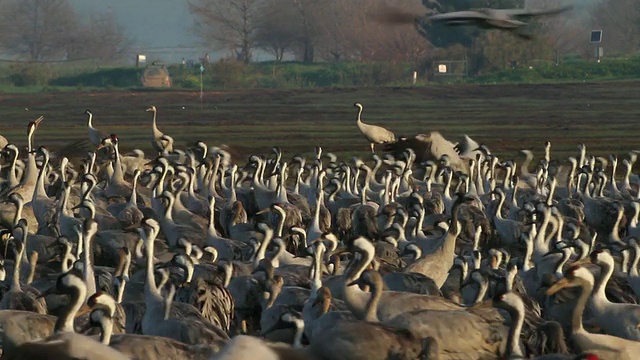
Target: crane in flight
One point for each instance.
(485, 18)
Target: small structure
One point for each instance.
(449, 70)
(141, 59)
(156, 76)
(596, 40)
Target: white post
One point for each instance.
(201, 85)
(415, 77)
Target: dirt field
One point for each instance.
(505, 117)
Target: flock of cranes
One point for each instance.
(433, 251)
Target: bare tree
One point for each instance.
(337, 30)
(227, 24)
(100, 38)
(336, 19)
(308, 27)
(275, 32)
(620, 23)
(37, 29)
(566, 33)
(499, 50)
(350, 32)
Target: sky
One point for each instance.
(160, 29)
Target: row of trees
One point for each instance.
(311, 30)
(327, 30)
(50, 30)
(332, 30)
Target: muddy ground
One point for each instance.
(507, 118)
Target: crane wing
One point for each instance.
(533, 13)
(468, 15)
(393, 16)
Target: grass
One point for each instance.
(505, 117)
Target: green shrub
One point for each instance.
(189, 82)
(114, 78)
(28, 74)
(231, 74)
(567, 71)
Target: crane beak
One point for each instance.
(83, 310)
(354, 282)
(49, 291)
(586, 260)
(38, 121)
(559, 285)
(131, 228)
(265, 210)
(275, 327)
(55, 258)
(482, 305)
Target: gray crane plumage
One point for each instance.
(373, 133)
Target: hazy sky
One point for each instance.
(151, 24)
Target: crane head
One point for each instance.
(33, 125)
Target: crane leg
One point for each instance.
(372, 148)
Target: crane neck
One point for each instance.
(483, 286)
(15, 279)
(11, 177)
(133, 200)
(268, 235)
(78, 292)
(541, 247)
(447, 185)
(67, 258)
(118, 176)
(33, 262)
(633, 270)
(232, 185)
(18, 214)
(356, 299)
(169, 208)
(500, 204)
(282, 216)
(154, 114)
(454, 228)
(513, 343)
(599, 296)
(106, 325)
(211, 229)
(371, 308)
(192, 185)
(615, 230)
(316, 282)
(151, 290)
(89, 277)
(40, 190)
(121, 287)
(578, 310)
